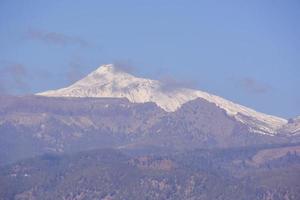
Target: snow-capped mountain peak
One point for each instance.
(109, 81)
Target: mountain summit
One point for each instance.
(109, 81)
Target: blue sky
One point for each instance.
(245, 51)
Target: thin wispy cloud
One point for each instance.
(75, 69)
(125, 66)
(297, 103)
(13, 78)
(251, 85)
(170, 83)
(55, 38)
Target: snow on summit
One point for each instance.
(108, 81)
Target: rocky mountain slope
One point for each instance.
(33, 125)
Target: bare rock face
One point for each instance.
(148, 162)
(292, 127)
(268, 155)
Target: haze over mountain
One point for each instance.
(109, 81)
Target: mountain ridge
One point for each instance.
(109, 81)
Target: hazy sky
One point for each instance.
(248, 52)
